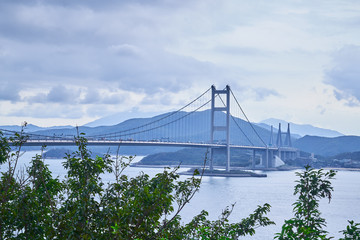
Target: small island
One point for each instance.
(60, 153)
(223, 173)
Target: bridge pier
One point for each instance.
(211, 159)
(263, 159)
(288, 154)
(271, 162)
(253, 162)
(228, 158)
(267, 159)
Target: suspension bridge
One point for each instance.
(214, 120)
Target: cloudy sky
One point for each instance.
(74, 61)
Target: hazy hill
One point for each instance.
(117, 118)
(200, 132)
(196, 156)
(328, 146)
(301, 129)
(349, 155)
(59, 153)
(32, 128)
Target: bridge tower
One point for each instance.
(271, 141)
(279, 142)
(287, 142)
(226, 128)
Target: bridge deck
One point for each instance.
(68, 142)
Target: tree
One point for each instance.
(352, 231)
(10, 185)
(308, 223)
(36, 202)
(201, 228)
(36, 205)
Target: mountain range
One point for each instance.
(119, 117)
(300, 129)
(32, 128)
(198, 131)
(307, 138)
(328, 146)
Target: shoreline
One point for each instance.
(289, 168)
(207, 172)
(227, 174)
(223, 173)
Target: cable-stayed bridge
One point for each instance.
(213, 120)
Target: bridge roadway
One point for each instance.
(69, 142)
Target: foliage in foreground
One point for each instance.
(34, 205)
(307, 223)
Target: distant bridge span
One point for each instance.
(69, 142)
(206, 122)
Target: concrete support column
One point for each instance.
(211, 159)
(263, 159)
(270, 159)
(267, 157)
(253, 163)
(228, 158)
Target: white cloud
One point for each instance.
(262, 93)
(57, 94)
(347, 98)
(42, 111)
(91, 96)
(113, 55)
(61, 94)
(344, 74)
(9, 92)
(125, 50)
